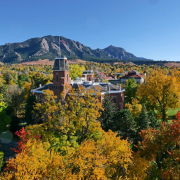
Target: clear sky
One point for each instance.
(146, 28)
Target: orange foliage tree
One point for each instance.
(162, 148)
(109, 159)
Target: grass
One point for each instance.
(172, 112)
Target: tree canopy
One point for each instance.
(161, 91)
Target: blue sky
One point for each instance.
(146, 28)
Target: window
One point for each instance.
(56, 77)
(114, 99)
(89, 78)
(67, 77)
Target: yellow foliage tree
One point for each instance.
(73, 145)
(70, 121)
(76, 71)
(2, 81)
(110, 159)
(35, 162)
(161, 91)
(135, 108)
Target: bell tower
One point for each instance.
(60, 75)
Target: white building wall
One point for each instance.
(138, 81)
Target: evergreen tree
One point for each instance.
(125, 125)
(143, 120)
(154, 123)
(31, 100)
(14, 124)
(108, 113)
(7, 77)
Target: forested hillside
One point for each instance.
(47, 47)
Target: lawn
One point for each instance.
(172, 112)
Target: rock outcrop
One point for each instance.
(47, 47)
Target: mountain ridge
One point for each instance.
(47, 47)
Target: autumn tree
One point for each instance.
(130, 90)
(23, 78)
(37, 79)
(110, 158)
(4, 118)
(161, 91)
(76, 71)
(2, 81)
(10, 77)
(45, 108)
(17, 98)
(5, 93)
(161, 148)
(7, 77)
(135, 108)
(70, 121)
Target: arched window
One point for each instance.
(67, 77)
(89, 78)
(56, 77)
(114, 99)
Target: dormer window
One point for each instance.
(114, 99)
(57, 77)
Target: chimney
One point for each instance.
(39, 85)
(109, 87)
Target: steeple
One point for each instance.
(60, 75)
(61, 64)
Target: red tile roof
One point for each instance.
(135, 76)
(102, 73)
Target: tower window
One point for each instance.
(67, 77)
(114, 99)
(89, 78)
(56, 77)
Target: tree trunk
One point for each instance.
(163, 114)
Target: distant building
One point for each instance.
(140, 78)
(133, 74)
(61, 79)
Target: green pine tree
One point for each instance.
(143, 120)
(108, 113)
(31, 100)
(154, 122)
(125, 125)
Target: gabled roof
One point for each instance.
(135, 76)
(134, 71)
